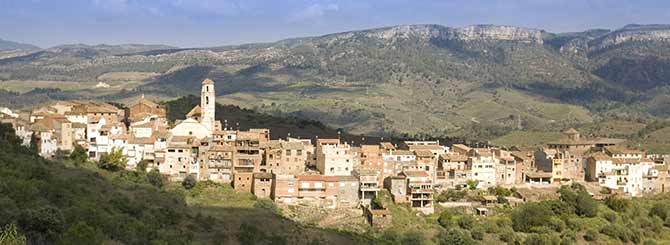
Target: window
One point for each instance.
(299, 152)
(207, 100)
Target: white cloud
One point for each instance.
(315, 11)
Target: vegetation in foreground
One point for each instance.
(71, 201)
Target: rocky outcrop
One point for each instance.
(469, 33)
(636, 33)
(496, 33)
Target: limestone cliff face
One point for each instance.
(469, 33)
(636, 33)
(496, 33)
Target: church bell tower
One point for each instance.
(208, 104)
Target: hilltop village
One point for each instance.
(327, 172)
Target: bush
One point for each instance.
(189, 182)
(114, 160)
(577, 196)
(466, 222)
(617, 231)
(509, 236)
(456, 237)
(472, 184)
(660, 209)
(79, 155)
(451, 195)
(617, 204)
(142, 166)
(46, 221)
(155, 178)
(446, 218)
(542, 239)
(530, 215)
(413, 237)
(610, 216)
(591, 235)
(478, 232)
(82, 233)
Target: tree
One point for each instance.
(472, 183)
(377, 202)
(617, 204)
(114, 160)
(82, 233)
(530, 215)
(155, 178)
(446, 218)
(33, 143)
(189, 182)
(142, 165)
(47, 221)
(79, 155)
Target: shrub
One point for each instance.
(610, 216)
(542, 239)
(142, 166)
(114, 160)
(155, 178)
(617, 204)
(472, 184)
(617, 231)
(659, 209)
(456, 237)
(451, 195)
(47, 221)
(509, 236)
(82, 233)
(591, 235)
(79, 155)
(530, 215)
(557, 224)
(413, 237)
(477, 232)
(466, 222)
(189, 182)
(446, 218)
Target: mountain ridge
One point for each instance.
(410, 79)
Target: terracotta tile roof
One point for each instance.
(207, 81)
(424, 153)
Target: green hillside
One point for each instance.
(480, 82)
(55, 202)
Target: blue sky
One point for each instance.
(197, 23)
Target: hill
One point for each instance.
(478, 82)
(58, 202)
(9, 45)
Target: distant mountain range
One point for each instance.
(477, 81)
(9, 45)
